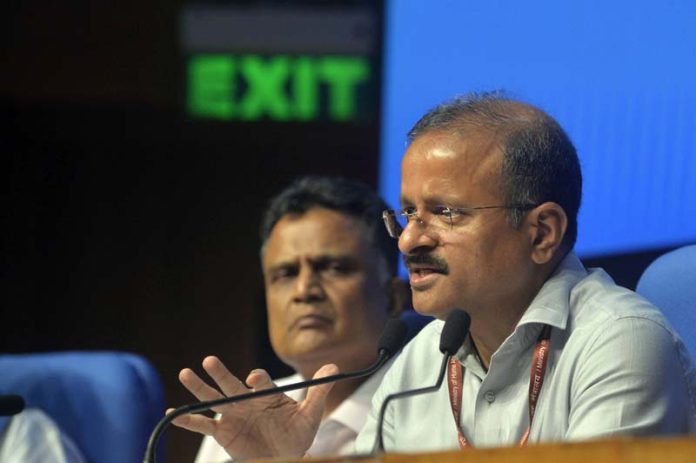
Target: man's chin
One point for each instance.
(311, 348)
(425, 304)
(439, 313)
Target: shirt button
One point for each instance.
(489, 396)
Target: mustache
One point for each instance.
(439, 264)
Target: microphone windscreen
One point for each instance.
(11, 404)
(454, 332)
(393, 336)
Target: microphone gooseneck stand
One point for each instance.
(454, 332)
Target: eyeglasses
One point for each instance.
(442, 217)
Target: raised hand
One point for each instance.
(266, 427)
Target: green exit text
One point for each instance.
(283, 88)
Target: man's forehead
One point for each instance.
(444, 165)
(467, 147)
(320, 258)
(318, 233)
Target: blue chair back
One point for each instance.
(670, 283)
(106, 402)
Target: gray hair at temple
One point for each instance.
(540, 163)
(349, 197)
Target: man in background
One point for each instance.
(330, 279)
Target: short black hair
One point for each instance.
(350, 197)
(540, 162)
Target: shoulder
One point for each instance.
(597, 302)
(612, 328)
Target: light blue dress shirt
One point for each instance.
(616, 367)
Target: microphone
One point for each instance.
(11, 404)
(453, 335)
(390, 342)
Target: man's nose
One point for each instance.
(415, 236)
(308, 285)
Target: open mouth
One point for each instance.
(425, 264)
(421, 278)
(424, 271)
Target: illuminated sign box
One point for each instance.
(280, 64)
(282, 87)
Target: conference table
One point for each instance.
(623, 450)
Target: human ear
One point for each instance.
(548, 223)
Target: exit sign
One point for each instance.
(282, 87)
(281, 62)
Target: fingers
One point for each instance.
(228, 383)
(259, 379)
(196, 386)
(196, 423)
(329, 369)
(316, 395)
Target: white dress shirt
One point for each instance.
(615, 367)
(336, 434)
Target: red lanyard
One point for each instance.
(455, 381)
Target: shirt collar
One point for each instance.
(551, 305)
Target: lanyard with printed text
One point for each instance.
(455, 382)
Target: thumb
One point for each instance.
(316, 395)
